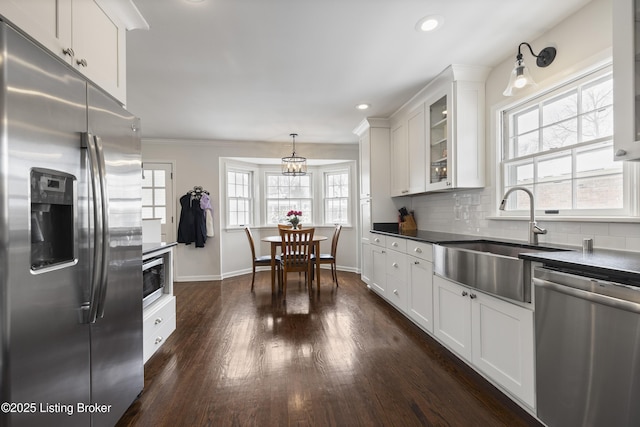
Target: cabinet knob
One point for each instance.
(69, 52)
(394, 244)
(473, 296)
(395, 264)
(620, 153)
(81, 62)
(376, 240)
(395, 292)
(158, 340)
(158, 321)
(448, 184)
(416, 262)
(418, 250)
(465, 293)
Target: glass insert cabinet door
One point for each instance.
(438, 140)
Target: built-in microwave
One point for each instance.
(153, 279)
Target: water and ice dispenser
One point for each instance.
(52, 218)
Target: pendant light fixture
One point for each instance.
(520, 76)
(294, 165)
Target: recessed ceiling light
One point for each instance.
(429, 23)
(363, 106)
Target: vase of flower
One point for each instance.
(294, 218)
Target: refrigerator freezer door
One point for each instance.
(116, 336)
(45, 346)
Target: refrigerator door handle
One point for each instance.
(88, 143)
(105, 237)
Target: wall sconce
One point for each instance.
(520, 76)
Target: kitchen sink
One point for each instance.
(490, 266)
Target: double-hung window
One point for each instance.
(336, 197)
(559, 145)
(285, 193)
(239, 197)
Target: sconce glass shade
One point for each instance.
(519, 78)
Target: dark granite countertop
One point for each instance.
(602, 262)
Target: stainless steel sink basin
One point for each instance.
(489, 266)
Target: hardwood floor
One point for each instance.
(341, 358)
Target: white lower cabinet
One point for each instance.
(397, 272)
(420, 307)
(493, 335)
(158, 322)
(378, 269)
(452, 316)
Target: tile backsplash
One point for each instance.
(473, 212)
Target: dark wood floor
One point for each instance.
(341, 358)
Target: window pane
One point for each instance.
(527, 144)
(597, 95)
(560, 135)
(602, 192)
(147, 213)
(159, 178)
(560, 109)
(555, 167)
(554, 195)
(597, 124)
(160, 197)
(147, 196)
(519, 175)
(527, 121)
(598, 159)
(160, 212)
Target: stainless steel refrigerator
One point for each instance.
(70, 245)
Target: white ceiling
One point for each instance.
(258, 70)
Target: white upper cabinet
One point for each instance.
(438, 136)
(455, 128)
(626, 77)
(399, 157)
(82, 34)
(407, 155)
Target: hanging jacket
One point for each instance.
(192, 226)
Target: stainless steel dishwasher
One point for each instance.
(587, 349)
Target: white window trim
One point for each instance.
(243, 168)
(337, 170)
(631, 170)
(263, 199)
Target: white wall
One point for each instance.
(584, 38)
(228, 254)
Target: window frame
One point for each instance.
(310, 199)
(537, 100)
(336, 171)
(251, 199)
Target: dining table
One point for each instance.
(276, 241)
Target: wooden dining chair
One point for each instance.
(285, 226)
(296, 255)
(264, 260)
(331, 257)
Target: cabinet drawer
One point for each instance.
(397, 265)
(397, 244)
(159, 321)
(153, 341)
(378, 240)
(420, 250)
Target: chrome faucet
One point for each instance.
(534, 230)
